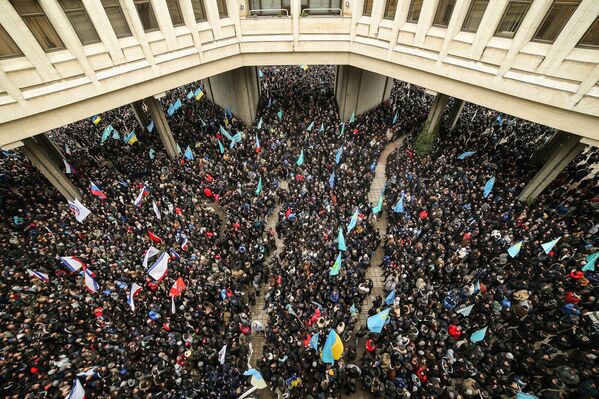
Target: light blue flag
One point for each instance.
(152, 153)
(465, 311)
(189, 154)
(353, 221)
(514, 250)
(466, 154)
(179, 150)
(259, 188)
(548, 246)
(590, 262)
(341, 240)
(171, 110)
(106, 133)
(314, 341)
(150, 126)
(331, 346)
(280, 114)
(338, 155)
(189, 95)
(332, 180)
(523, 395)
(334, 270)
(115, 135)
(260, 74)
(321, 128)
(399, 206)
(379, 204)
(390, 300)
(479, 335)
(235, 139)
(259, 124)
(300, 160)
(353, 309)
(499, 120)
(342, 129)
(221, 147)
(376, 322)
(225, 133)
(177, 104)
(395, 117)
(352, 118)
(310, 127)
(488, 187)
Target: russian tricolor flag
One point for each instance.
(95, 190)
(72, 263)
(90, 283)
(38, 275)
(77, 392)
(185, 244)
(158, 270)
(144, 192)
(135, 288)
(69, 168)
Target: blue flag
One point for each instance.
(150, 126)
(376, 322)
(332, 180)
(188, 154)
(314, 341)
(333, 348)
(395, 117)
(514, 250)
(499, 120)
(259, 124)
(390, 298)
(310, 127)
(590, 262)
(353, 309)
(171, 110)
(334, 270)
(189, 95)
(257, 142)
(152, 153)
(280, 114)
(300, 160)
(106, 133)
(353, 221)
(221, 147)
(179, 149)
(548, 246)
(342, 129)
(479, 335)
(259, 188)
(338, 155)
(488, 187)
(399, 206)
(352, 118)
(341, 240)
(523, 395)
(260, 74)
(466, 154)
(379, 204)
(225, 133)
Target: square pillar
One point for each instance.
(428, 136)
(44, 163)
(454, 113)
(140, 114)
(161, 126)
(53, 152)
(358, 90)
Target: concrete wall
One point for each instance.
(358, 90)
(554, 84)
(238, 89)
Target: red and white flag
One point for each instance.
(135, 288)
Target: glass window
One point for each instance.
(414, 12)
(390, 8)
(222, 8)
(512, 18)
(80, 21)
(146, 14)
(116, 18)
(475, 15)
(198, 10)
(591, 38)
(8, 48)
(367, 7)
(38, 24)
(175, 12)
(270, 7)
(559, 14)
(322, 7)
(443, 14)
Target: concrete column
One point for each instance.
(358, 90)
(237, 89)
(543, 153)
(53, 152)
(565, 148)
(427, 137)
(161, 126)
(43, 162)
(454, 113)
(140, 114)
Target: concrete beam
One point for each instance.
(358, 90)
(44, 163)
(162, 127)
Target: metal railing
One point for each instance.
(313, 12)
(269, 12)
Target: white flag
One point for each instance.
(79, 210)
(221, 354)
(173, 309)
(149, 253)
(156, 210)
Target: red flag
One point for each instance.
(177, 288)
(154, 237)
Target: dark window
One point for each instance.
(512, 18)
(591, 38)
(8, 48)
(390, 8)
(146, 14)
(38, 24)
(116, 18)
(198, 10)
(414, 12)
(80, 21)
(558, 16)
(322, 7)
(270, 7)
(222, 8)
(367, 7)
(475, 15)
(175, 12)
(443, 14)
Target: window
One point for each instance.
(270, 7)
(198, 10)
(222, 8)
(80, 21)
(322, 7)
(390, 8)
(475, 15)
(146, 14)
(175, 12)
(414, 12)
(591, 38)
(116, 18)
(443, 14)
(38, 24)
(512, 18)
(555, 20)
(8, 48)
(368, 7)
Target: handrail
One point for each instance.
(269, 12)
(322, 11)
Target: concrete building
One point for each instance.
(66, 60)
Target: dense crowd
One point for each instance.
(445, 250)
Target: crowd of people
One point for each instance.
(445, 249)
